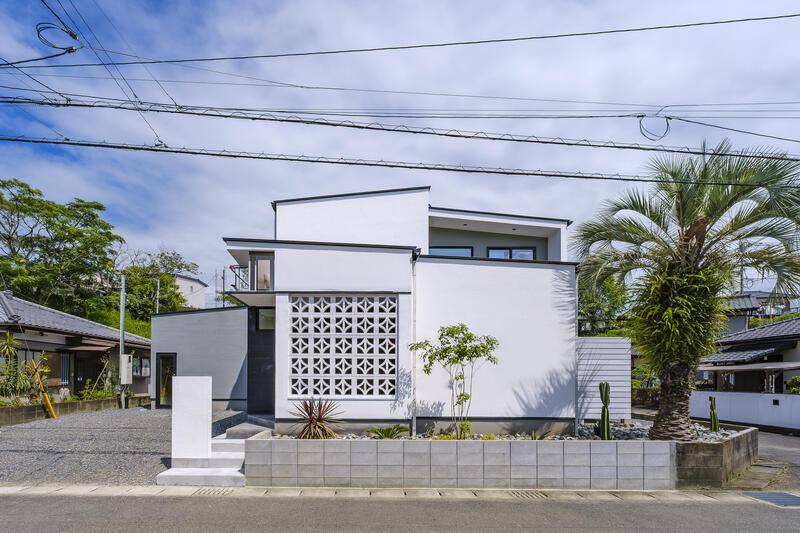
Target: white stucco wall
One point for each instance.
(749, 407)
(192, 291)
(529, 308)
(333, 268)
(397, 218)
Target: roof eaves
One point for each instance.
(527, 217)
(274, 203)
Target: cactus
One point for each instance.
(605, 422)
(714, 417)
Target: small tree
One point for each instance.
(461, 353)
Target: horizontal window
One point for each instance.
(527, 254)
(453, 251)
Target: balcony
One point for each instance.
(252, 283)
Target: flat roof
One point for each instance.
(274, 203)
(526, 217)
(498, 260)
(320, 243)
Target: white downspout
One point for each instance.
(413, 340)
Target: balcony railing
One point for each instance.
(241, 278)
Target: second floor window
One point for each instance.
(528, 254)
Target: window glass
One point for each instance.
(266, 318)
(453, 252)
(499, 253)
(263, 282)
(523, 253)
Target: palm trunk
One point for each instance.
(672, 421)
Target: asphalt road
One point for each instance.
(162, 514)
(784, 449)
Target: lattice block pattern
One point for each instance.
(343, 346)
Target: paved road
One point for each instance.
(196, 514)
(784, 449)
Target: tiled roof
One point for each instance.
(783, 328)
(742, 302)
(18, 311)
(739, 356)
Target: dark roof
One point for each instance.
(527, 217)
(739, 356)
(770, 294)
(16, 311)
(190, 278)
(789, 328)
(742, 302)
(344, 195)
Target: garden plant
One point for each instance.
(317, 418)
(461, 353)
(681, 247)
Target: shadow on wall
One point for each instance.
(402, 402)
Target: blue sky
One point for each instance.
(189, 203)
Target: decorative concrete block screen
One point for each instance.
(604, 359)
(634, 465)
(343, 346)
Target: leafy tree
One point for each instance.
(54, 254)
(599, 308)
(141, 276)
(458, 351)
(680, 245)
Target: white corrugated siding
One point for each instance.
(604, 359)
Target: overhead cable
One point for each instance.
(443, 44)
(260, 115)
(467, 169)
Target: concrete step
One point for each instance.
(268, 421)
(227, 445)
(217, 460)
(244, 431)
(210, 477)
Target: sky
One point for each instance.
(189, 203)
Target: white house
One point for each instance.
(193, 290)
(332, 301)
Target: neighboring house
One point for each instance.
(771, 304)
(331, 303)
(73, 346)
(741, 308)
(748, 376)
(193, 291)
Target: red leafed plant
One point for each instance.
(318, 418)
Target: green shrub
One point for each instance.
(387, 433)
(755, 322)
(318, 419)
(793, 385)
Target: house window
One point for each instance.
(137, 366)
(452, 251)
(343, 346)
(145, 367)
(526, 254)
(262, 272)
(266, 318)
(65, 368)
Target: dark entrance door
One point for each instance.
(261, 360)
(165, 370)
(83, 372)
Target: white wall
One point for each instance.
(791, 356)
(399, 218)
(192, 291)
(529, 308)
(604, 359)
(749, 408)
(558, 245)
(328, 268)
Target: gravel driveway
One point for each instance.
(114, 447)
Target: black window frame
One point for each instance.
(470, 248)
(510, 250)
(257, 322)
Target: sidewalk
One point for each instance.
(579, 496)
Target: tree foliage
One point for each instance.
(599, 308)
(461, 353)
(54, 254)
(678, 247)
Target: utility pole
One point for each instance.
(158, 292)
(123, 360)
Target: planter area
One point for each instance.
(627, 465)
(548, 464)
(10, 416)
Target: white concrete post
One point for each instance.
(191, 417)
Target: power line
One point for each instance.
(746, 132)
(253, 114)
(64, 25)
(467, 169)
(444, 44)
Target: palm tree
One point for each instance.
(681, 244)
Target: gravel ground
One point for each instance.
(115, 447)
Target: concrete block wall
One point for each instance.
(623, 465)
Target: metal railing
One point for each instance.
(240, 278)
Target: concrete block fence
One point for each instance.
(624, 465)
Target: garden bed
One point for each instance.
(28, 413)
